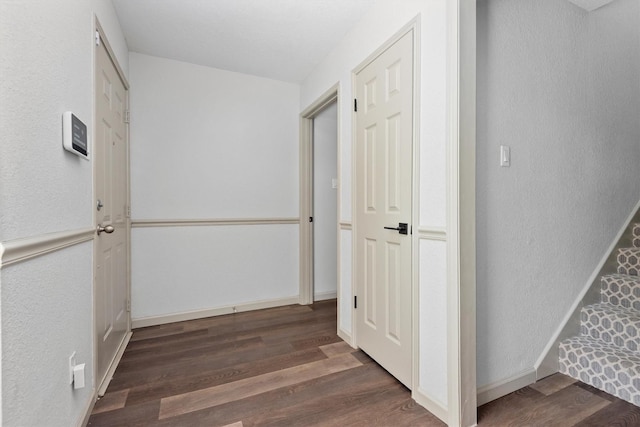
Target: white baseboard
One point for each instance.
(501, 388)
(88, 409)
(346, 337)
(210, 312)
(543, 365)
(321, 296)
(430, 405)
(102, 388)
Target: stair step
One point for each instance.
(612, 324)
(636, 235)
(622, 290)
(608, 368)
(629, 261)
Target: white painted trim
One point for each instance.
(432, 233)
(322, 296)
(540, 367)
(112, 55)
(429, 404)
(306, 190)
(114, 364)
(143, 322)
(20, 250)
(189, 222)
(346, 337)
(461, 246)
(82, 422)
(503, 387)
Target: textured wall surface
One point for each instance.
(561, 87)
(41, 328)
(46, 68)
(182, 269)
(211, 144)
(380, 24)
(325, 201)
(208, 143)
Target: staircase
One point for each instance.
(606, 355)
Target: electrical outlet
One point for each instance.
(72, 364)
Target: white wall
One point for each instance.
(325, 202)
(383, 21)
(561, 87)
(211, 144)
(46, 68)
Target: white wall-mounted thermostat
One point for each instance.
(74, 135)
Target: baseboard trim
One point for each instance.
(322, 296)
(501, 388)
(346, 337)
(88, 410)
(140, 223)
(20, 250)
(547, 361)
(114, 364)
(210, 312)
(430, 405)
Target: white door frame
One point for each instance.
(100, 389)
(461, 213)
(306, 191)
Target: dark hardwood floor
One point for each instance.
(287, 367)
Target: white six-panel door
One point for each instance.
(383, 174)
(110, 157)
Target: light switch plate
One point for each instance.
(505, 156)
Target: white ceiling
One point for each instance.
(278, 39)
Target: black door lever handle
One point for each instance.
(402, 228)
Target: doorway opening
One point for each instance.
(319, 199)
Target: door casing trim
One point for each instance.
(330, 96)
(96, 387)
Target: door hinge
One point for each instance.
(128, 211)
(97, 38)
(129, 306)
(127, 116)
(355, 301)
(310, 219)
(355, 105)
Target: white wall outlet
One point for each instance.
(72, 364)
(505, 156)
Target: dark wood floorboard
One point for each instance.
(259, 369)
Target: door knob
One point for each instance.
(108, 229)
(402, 228)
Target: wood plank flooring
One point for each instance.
(287, 367)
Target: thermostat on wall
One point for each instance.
(74, 135)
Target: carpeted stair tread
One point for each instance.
(622, 290)
(629, 261)
(612, 324)
(636, 235)
(606, 367)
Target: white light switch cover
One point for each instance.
(505, 156)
